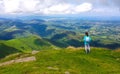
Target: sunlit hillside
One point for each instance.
(65, 61)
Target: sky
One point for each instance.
(61, 7)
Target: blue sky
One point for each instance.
(61, 7)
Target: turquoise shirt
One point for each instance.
(85, 42)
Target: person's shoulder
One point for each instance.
(88, 37)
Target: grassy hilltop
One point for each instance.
(66, 61)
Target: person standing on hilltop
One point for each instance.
(87, 41)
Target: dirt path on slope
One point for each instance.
(26, 59)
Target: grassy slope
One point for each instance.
(6, 50)
(28, 43)
(25, 45)
(99, 61)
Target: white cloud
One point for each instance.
(28, 5)
(42, 7)
(10, 5)
(106, 11)
(83, 7)
(1, 6)
(58, 9)
(67, 8)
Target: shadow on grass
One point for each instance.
(6, 50)
(77, 43)
(109, 46)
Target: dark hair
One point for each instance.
(86, 33)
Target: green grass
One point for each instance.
(6, 50)
(25, 45)
(99, 61)
(28, 43)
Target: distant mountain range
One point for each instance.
(30, 17)
(62, 31)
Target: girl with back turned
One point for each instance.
(87, 41)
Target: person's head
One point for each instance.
(86, 33)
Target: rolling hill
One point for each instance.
(24, 45)
(63, 32)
